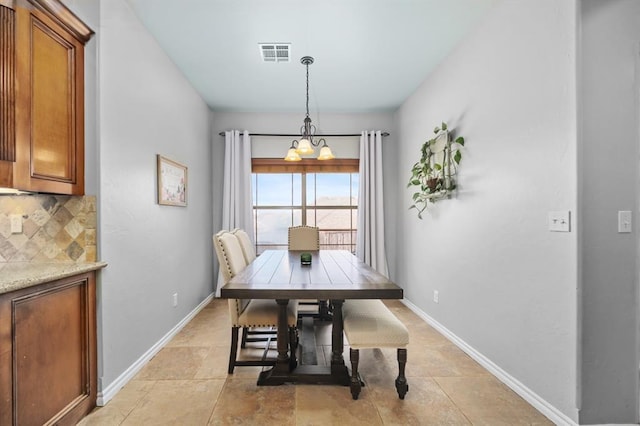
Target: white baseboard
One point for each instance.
(551, 412)
(105, 395)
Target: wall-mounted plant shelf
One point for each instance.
(434, 174)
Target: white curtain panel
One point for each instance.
(370, 236)
(237, 205)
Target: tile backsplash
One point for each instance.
(58, 228)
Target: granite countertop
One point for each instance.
(18, 275)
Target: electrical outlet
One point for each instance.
(16, 223)
(175, 299)
(436, 298)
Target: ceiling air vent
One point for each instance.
(275, 52)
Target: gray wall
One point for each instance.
(145, 107)
(290, 123)
(608, 153)
(507, 286)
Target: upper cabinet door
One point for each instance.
(7, 94)
(49, 107)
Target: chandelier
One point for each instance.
(307, 132)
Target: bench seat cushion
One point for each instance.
(370, 324)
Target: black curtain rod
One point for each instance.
(298, 134)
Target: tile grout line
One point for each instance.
(435, 379)
(215, 404)
(139, 401)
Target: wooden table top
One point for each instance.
(333, 274)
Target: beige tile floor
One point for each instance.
(186, 383)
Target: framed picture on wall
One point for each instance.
(172, 182)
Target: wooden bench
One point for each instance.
(370, 324)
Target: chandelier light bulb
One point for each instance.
(325, 153)
(292, 155)
(304, 147)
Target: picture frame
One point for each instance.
(172, 182)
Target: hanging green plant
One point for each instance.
(435, 173)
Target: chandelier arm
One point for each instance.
(312, 133)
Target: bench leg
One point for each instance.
(355, 385)
(401, 382)
(234, 348)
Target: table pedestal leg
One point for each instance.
(277, 374)
(338, 367)
(286, 369)
(282, 362)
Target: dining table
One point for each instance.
(333, 275)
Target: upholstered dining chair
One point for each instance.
(248, 249)
(308, 238)
(249, 313)
(304, 238)
(249, 252)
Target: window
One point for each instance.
(327, 200)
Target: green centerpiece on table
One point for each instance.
(305, 258)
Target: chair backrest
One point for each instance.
(232, 262)
(248, 248)
(304, 238)
(230, 254)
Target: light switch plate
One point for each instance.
(560, 221)
(624, 221)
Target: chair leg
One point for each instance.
(355, 385)
(293, 347)
(295, 337)
(323, 311)
(243, 342)
(234, 348)
(401, 382)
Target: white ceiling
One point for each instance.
(370, 55)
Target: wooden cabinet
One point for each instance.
(48, 352)
(42, 97)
